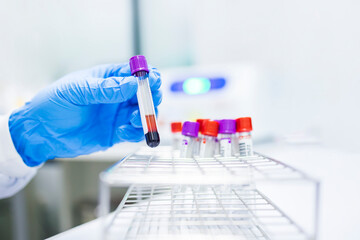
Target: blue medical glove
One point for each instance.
(81, 113)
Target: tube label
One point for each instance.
(187, 147)
(202, 147)
(225, 147)
(245, 145)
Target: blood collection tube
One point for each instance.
(207, 144)
(176, 134)
(200, 136)
(217, 143)
(227, 130)
(190, 131)
(243, 134)
(140, 70)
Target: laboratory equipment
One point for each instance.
(227, 129)
(190, 131)
(231, 84)
(176, 134)
(208, 198)
(243, 134)
(140, 70)
(198, 85)
(208, 141)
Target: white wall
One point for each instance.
(42, 40)
(308, 53)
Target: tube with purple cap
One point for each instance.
(190, 131)
(139, 69)
(227, 129)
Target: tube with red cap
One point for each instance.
(139, 69)
(243, 133)
(207, 144)
(200, 136)
(176, 134)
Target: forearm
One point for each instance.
(14, 174)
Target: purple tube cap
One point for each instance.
(227, 126)
(138, 63)
(190, 129)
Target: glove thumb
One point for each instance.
(100, 90)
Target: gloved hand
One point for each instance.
(81, 113)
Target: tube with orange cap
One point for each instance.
(207, 144)
(200, 136)
(243, 133)
(176, 134)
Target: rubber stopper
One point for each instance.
(176, 127)
(211, 128)
(244, 124)
(190, 129)
(138, 63)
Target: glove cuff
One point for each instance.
(22, 130)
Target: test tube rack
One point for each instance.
(169, 197)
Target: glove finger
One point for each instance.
(135, 119)
(157, 98)
(154, 79)
(123, 71)
(127, 133)
(156, 112)
(133, 100)
(99, 90)
(111, 70)
(154, 75)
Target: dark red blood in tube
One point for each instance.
(152, 136)
(151, 123)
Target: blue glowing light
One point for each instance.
(196, 85)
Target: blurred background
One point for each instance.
(293, 66)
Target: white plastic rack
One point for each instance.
(202, 198)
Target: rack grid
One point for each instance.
(207, 198)
(217, 212)
(164, 165)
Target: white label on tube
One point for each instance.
(207, 147)
(176, 141)
(187, 147)
(184, 146)
(197, 146)
(202, 147)
(217, 147)
(245, 145)
(225, 147)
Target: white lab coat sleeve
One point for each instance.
(14, 173)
